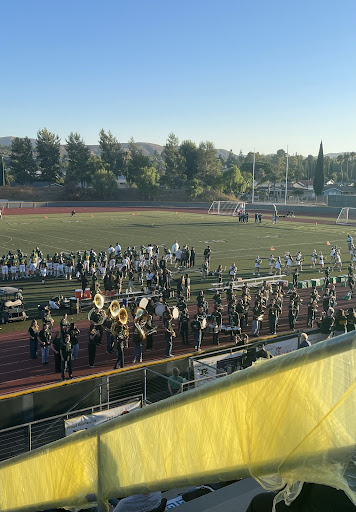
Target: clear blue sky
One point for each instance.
(241, 74)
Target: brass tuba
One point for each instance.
(120, 317)
(114, 308)
(141, 316)
(123, 316)
(99, 301)
(97, 314)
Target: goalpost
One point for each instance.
(232, 208)
(347, 216)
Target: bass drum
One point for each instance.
(159, 308)
(143, 303)
(175, 313)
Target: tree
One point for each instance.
(233, 181)
(174, 163)
(78, 159)
(147, 182)
(112, 153)
(136, 161)
(319, 172)
(195, 188)
(189, 152)
(232, 159)
(209, 165)
(22, 163)
(105, 184)
(48, 155)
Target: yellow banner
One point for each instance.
(288, 419)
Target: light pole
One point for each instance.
(253, 175)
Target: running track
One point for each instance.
(19, 372)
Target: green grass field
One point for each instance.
(229, 240)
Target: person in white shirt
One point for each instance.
(117, 248)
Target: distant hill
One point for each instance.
(147, 148)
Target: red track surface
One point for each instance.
(19, 372)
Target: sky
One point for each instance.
(242, 74)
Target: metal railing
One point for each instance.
(144, 384)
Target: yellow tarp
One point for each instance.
(292, 418)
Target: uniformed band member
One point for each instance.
(66, 357)
(217, 323)
(169, 332)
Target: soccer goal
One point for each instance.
(347, 216)
(232, 208)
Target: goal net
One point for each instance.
(232, 208)
(347, 216)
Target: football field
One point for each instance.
(230, 241)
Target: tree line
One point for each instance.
(196, 168)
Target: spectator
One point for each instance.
(304, 341)
(175, 382)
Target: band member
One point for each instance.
(149, 335)
(292, 315)
(121, 339)
(196, 327)
(64, 326)
(312, 309)
(273, 312)
(217, 323)
(33, 332)
(184, 326)
(56, 348)
(137, 339)
(169, 332)
(66, 357)
(94, 340)
(257, 318)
